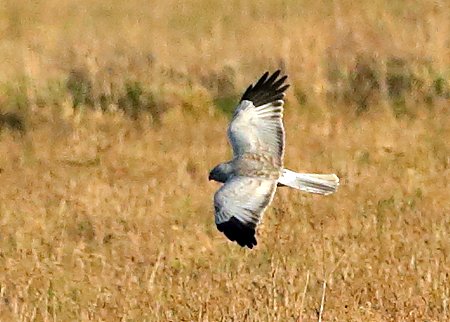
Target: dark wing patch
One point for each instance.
(266, 90)
(235, 230)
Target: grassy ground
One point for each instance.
(111, 117)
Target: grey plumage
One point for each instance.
(256, 134)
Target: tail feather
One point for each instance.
(323, 184)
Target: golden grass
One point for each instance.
(105, 218)
(170, 45)
(100, 220)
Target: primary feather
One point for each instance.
(239, 206)
(257, 125)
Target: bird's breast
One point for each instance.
(257, 165)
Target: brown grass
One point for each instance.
(104, 217)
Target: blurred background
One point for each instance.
(113, 112)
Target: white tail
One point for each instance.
(323, 184)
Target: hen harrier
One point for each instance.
(256, 134)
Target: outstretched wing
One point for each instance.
(239, 205)
(257, 125)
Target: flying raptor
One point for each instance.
(256, 134)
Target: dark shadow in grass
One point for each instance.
(80, 88)
(12, 121)
(138, 99)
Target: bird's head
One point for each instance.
(221, 172)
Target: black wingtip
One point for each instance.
(267, 89)
(235, 230)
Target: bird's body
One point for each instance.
(256, 165)
(256, 134)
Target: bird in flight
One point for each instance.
(250, 179)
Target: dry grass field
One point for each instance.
(112, 114)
